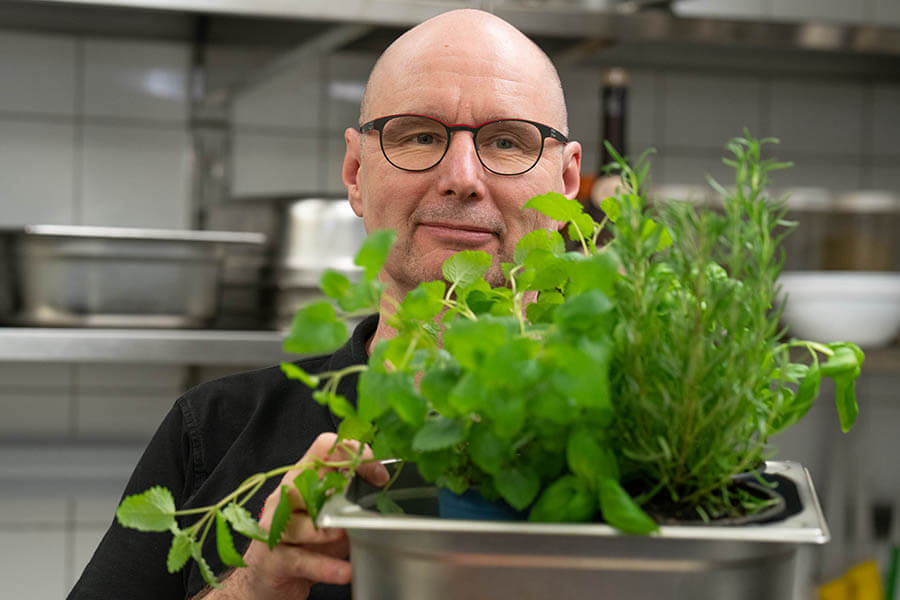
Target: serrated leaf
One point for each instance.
(488, 452)
(334, 284)
(208, 576)
(280, 518)
(621, 511)
(374, 252)
(588, 459)
(610, 207)
(425, 301)
(179, 551)
(439, 433)
(153, 510)
(539, 239)
(556, 206)
(336, 403)
(315, 328)
(387, 505)
(361, 296)
(292, 371)
(466, 267)
(225, 544)
(354, 428)
(598, 272)
(582, 227)
(566, 500)
(312, 490)
(244, 523)
(518, 485)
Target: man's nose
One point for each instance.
(461, 170)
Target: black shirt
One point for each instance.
(216, 435)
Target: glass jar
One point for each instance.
(861, 231)
(810, 208)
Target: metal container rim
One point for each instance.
(137, 233)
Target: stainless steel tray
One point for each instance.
(55, 275)
(420, 556)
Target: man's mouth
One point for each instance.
(457, 233)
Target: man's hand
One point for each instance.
(304, 555)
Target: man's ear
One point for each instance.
(571, 174)
(350, 170)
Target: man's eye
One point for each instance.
(504, 144)
(424, 138)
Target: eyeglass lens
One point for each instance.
(418, 143)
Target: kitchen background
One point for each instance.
(101, 124)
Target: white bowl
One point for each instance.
(848, 306)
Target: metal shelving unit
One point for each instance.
(184, 347)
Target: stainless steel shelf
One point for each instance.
(185, 347)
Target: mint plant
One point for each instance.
(646, 371)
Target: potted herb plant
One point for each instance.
(635, 383)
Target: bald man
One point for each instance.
(463, 120)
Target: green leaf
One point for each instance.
(621, 511)
(566, 500)
(610, 207)
(374, 252)
(153, 510)
(355, 428)
(179, 551)
(582, 227)
(518, 485)
(379, 390)
(372, 401)
(208, 576)
(312, 490)
(556, 206)
(544, 271)
(464, 268)
(315, 328)
(361, 296)
(387, 506)
(336, 403)
(844, 360)
(292, 371)
(434, 465)
(589, 313)
(588, 459)
(471, 341)
(225, 544)
(436, 386)
(334, 284)
(845, 398)
(539, 239)
(438, 433)
(280, 518)
(802, 401)
(469, 395)
(598, 272)
(424, 302)
(244, 523)
(487, 451)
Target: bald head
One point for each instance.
(466, 42)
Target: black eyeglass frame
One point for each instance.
(378, 125)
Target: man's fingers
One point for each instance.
(375, 473)
(300, 530)
(306, 563)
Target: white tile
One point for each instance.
(288, 99)
(135, 177)
(148, 377)
(348, 73)
(275, 164)
(884, 177)
(34, 414)
(887, 12)
(39, 375)
(857, 11)
(95, 511)
(331, 170)
(39, 71)
(36, 173)
(136, 79)
(737, 9)
(837, 174)
(671, 167)
(34, 564)
(821, 118)
(705, 111)
(885, 120)
(87, 538)
(18, 512)
(132, 416)
(640, 124)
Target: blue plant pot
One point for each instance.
(471, 505)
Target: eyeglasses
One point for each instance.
(504, 146)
